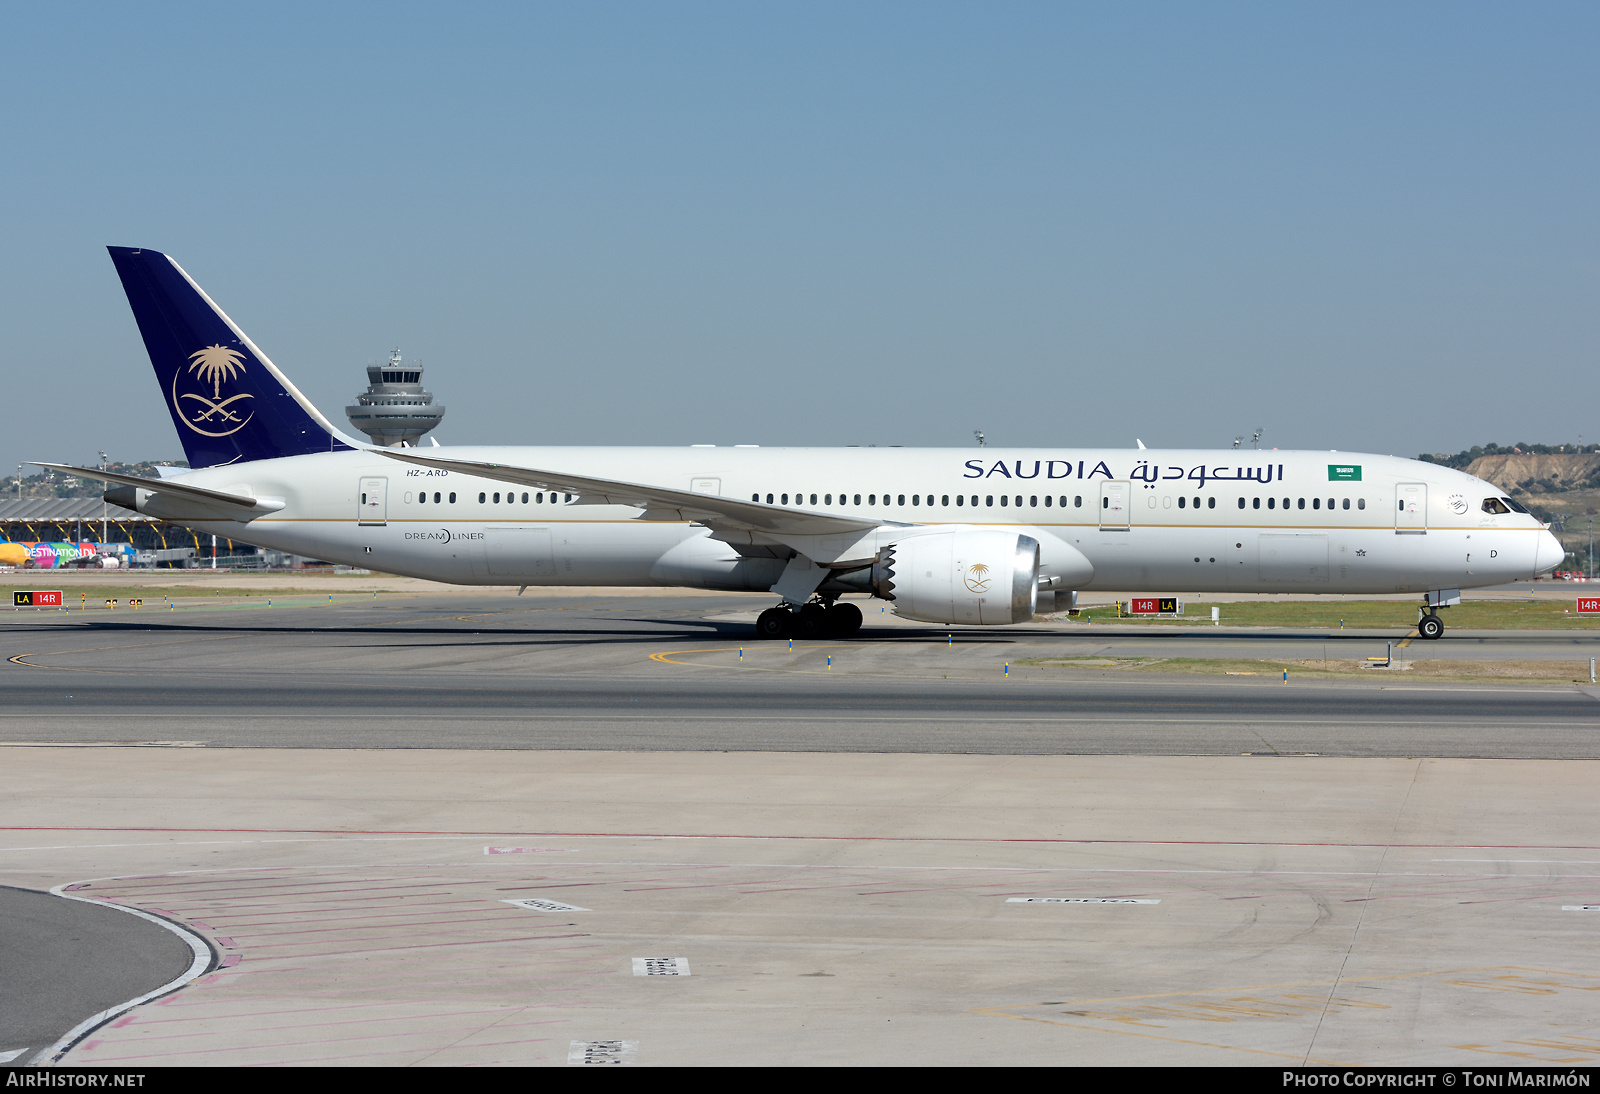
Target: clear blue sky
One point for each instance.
(1360, 226)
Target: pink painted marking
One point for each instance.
(330, 1041)
(346, 832)
(75, 888)
(510, 1022)
(230, 961)
(222, 941)
(202, 926)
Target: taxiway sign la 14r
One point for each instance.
(945, 535)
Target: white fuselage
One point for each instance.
(1148, 521)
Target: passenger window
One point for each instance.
(452, 497)
(944, 499)
(1105, 503)
(524, 497)
(1302, 504)
(1241, 503)
(1286, 502)
(827, 499)
(1047, 501)
(1316, 503)
(1361, 503)
(1019, 501)
(1330, 503)
(480, 497)
(1033, 501)
(858, 499)
(1180, 501)
(1255, 503)
(1270, 502)
(786, 499)
(422, 498)
(813, 499)
(497, 497)
(1346, 503)
(1211, 503)
(988, 499)
(1003, 500)
(902, 499)
(961, 499)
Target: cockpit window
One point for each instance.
(1494, 505)
(1515, 508)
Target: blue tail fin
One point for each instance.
(228, 401)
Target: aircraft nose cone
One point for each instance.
(1549, 554)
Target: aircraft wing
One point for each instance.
(662, 503)
(169, 487)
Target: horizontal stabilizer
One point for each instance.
(170, 488)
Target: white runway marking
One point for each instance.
(1076, 900)
(535, 904)
(602, 1052)
(661, 966)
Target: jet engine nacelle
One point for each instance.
(973, 576)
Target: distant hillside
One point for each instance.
(1537, 473)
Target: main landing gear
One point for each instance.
(1429, 625)
(818, 619)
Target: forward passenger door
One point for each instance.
(1411, 508)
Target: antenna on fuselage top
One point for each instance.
(978, 433)
(1238, 440)
(1255, 438)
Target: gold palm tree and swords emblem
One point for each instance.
(977, 577)
(212, 365)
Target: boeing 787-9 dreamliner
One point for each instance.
(985, 536)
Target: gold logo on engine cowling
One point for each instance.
(977, 577)
(214, 416)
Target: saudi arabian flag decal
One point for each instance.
(1344, 472)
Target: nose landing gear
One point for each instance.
(1429, 625)
(818, 619)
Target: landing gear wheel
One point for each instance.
(1430, 626)
(844, 620)
(773, 623)
(812, 622)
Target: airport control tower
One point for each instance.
(394, 410)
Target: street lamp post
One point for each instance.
(104, 509)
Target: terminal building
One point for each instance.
(394, 410)
(151, 542)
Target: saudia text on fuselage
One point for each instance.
(1144, 471)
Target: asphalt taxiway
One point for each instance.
(686, 673)
(442, 828)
